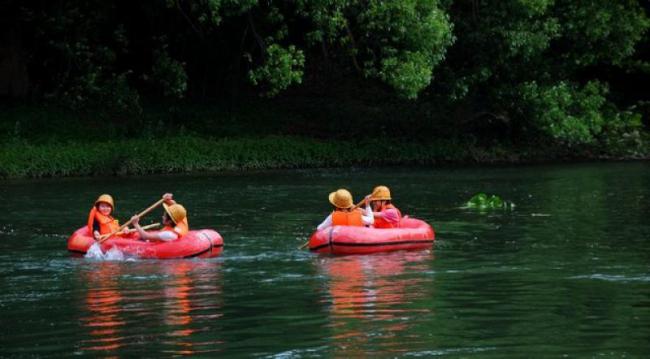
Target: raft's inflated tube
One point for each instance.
(412, 234)
(203, 243)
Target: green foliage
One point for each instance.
(169, 74)
(93, 84)
(21, 159)
(327, 16)
(482, 201)
(601, 31)
(408, 74)
(530, 66)
(404, 41)
(77, 48)
(525, 62)
(623, 135)
(283, 67)
(566, 112)
(212, 11)
(398, 42)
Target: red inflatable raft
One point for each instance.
(203, 243)
(412, 234)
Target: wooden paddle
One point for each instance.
(353, 207)
(360, 203)
(151, 208)
(153, 225)
(148, 226)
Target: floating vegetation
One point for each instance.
(482, 201)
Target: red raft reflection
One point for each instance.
(376, 301)
(203, 243)
(413, 234)
(103, 301)
(173, 308)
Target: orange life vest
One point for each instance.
(107, 224)
(181, 228)
(352, 218)
(382, 223)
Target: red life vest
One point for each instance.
(107, 224)
(382, 223)
(352, 218)
(181, 228)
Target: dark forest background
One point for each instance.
(560, 73)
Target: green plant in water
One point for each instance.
(482, 201)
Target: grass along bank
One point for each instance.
(46, 140)
(20, 159)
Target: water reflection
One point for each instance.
(103, 301)
(377, 299)
(171, 301)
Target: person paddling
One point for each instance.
(345, 213)
(100, 221)
(174, 221)
(386, 215)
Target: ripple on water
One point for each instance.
(614, 277)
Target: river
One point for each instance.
(565, 273)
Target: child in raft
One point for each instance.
(174, 222)
(386, 215)
(100, 221)
(345, 214)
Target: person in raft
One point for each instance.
(174, 221)
(386, 215)
(100, 221)
(344, 213)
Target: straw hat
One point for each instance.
(380, 193)
(342, 198)
(106, 198)
(176, 212)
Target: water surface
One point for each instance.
(567, 273)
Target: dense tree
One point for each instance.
(539, 67)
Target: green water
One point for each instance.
(567, 273)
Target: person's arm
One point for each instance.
(165, 236)
(378, 214)
(96, 233)
(367, 217)
(326, 223)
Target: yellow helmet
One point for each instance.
(342, 198)
(176, 212)
(106, 198)
(380, 193)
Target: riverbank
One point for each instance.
(41, 140)
(22, 159)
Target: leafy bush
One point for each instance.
(404, 41)
(482, 201)
(169, 74)
(582, 116)
(283, 67)
(564, 111)
(22, 159)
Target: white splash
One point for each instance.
(95, 252)
(114, 254)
